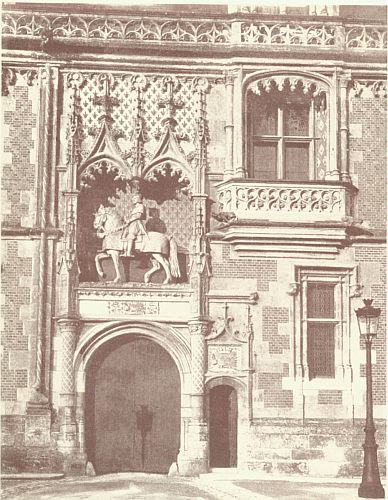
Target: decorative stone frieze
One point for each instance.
(54, 26)
(366, 37)
(128, 303)
(9, 77)
(369, 89)
(117, 27)
(129, 308)
(287, 33)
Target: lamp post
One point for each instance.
(370, 487)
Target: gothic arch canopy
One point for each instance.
(279, 77)
(169, 338)
(100, 163)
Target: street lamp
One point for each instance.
(370, 487)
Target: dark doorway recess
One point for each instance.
(223, 426)
(132, 414)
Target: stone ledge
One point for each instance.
(32, 475)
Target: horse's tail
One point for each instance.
(173, 259)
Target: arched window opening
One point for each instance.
(286, 123)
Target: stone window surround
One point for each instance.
(314, 85)
(237, 82)
(341, 278)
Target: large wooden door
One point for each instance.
(132, 408)
(223, 426)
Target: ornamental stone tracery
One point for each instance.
(9, 78)
(272, 32)
(147, 115)
(290, 83)
(368, 89)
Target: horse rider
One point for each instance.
(135, 227)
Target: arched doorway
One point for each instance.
(223, 414)
(132, 406)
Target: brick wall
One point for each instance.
(18, 178)
(264, 271)
(272, 316)
(274, 396)
(16, 298)
(329, 397)
(368, 157)
(375, 286)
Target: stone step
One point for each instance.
(32, 475)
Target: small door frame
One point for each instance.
(223, 397)
(242, 412)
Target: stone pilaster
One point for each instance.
(344, 127)
(195, 460)
(229, 126)
(38, 399)
(68, 443)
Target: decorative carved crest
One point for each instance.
(229, 349)
(223, 327)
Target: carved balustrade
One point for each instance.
(286, 201)
(268, 30)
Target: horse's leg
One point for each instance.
(155, 267)
(166, 266)
(115, 258)
(97, 260)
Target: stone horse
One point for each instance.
(162, 249)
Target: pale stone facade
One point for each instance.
(257, 142)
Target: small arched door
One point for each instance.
(132, 407)
(223, 426)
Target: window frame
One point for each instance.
(341, 279)
(281, 140)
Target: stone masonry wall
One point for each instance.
(331, 448)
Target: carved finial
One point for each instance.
(75, 80)
(201, 84)
(106, 101)
(170, 85)
(139, 82)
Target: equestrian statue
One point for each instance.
(122, 237)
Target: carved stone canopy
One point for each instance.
(292, 86)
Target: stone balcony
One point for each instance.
(287, 201)
(291, 219)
